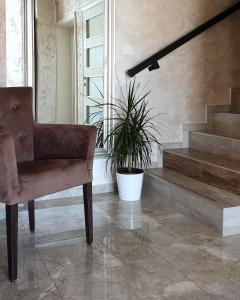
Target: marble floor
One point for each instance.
(140, 251)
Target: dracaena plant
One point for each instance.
(132, 134)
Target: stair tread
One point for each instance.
(230, 164)
(217, 196)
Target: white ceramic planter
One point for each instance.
(129, 186)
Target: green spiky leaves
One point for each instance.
(132, 134)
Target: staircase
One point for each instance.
(204, 179)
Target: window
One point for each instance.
(93, 47)
(16, 39)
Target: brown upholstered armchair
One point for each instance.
(39, 159)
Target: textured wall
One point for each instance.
(3, 44)
(14, 43)
(200, 72)
(11, 43)
(48, 12)
(67, 7)
(46, 41)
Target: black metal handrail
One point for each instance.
(152, 62)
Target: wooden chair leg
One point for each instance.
(31, 215)
(12, 240)
(87, 198)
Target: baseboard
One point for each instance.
(77, 191)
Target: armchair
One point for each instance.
(39, 159)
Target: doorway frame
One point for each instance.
(109, 59)
(72, 18)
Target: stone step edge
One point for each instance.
(211, 199)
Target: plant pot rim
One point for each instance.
(123, 171)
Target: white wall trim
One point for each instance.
(90, 5)
(78, 191)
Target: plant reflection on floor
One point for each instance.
(129, 215)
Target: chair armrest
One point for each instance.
(9, 183)
(58, 141)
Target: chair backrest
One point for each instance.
(16, 118)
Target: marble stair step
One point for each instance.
(221, 108)
(218, 197)
(226, 124)
(205, 167)
(209, 142)
(204, 202)
(224, 108)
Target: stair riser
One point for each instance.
(225, 220)
(177, 199)
(222, 178)
(224, 124)
(182, 165)
(219, 108)
(236, 103)
(203, 171)
(222, 146)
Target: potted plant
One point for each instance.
(130, 138)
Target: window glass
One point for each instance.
(11, 43)
(95, 26)
(95, 87)
(95, 57)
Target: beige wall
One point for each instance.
(66, 7)
(46, 43)
(199, 73)
(3, 44)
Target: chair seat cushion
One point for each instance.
(43, 177)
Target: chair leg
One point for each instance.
(87, 198)
(12, 240)
(31, 215)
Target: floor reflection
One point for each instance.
(129, 214)
(140, 251)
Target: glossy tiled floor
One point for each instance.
(138, 253)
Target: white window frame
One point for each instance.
(29, 47)
(109, 59)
